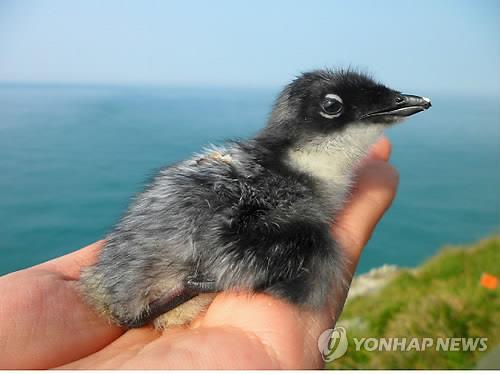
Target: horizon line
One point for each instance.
(191, 85)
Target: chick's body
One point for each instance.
(227, 217)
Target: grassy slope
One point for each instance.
(441, 298)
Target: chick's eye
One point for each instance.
(331, 106)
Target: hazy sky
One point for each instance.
(440, 46)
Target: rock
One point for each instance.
(372, 281)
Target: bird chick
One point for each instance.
(251, 215)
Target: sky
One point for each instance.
(439, 46)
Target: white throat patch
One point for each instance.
(332, 159)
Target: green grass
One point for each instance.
(441, 298)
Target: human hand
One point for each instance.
(45, 324)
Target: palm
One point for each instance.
(43, 322)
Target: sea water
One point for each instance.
(72, 157)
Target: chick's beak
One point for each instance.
(404, 106)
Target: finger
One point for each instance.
(381, 150)
(375, 190)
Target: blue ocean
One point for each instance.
(71, 157)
